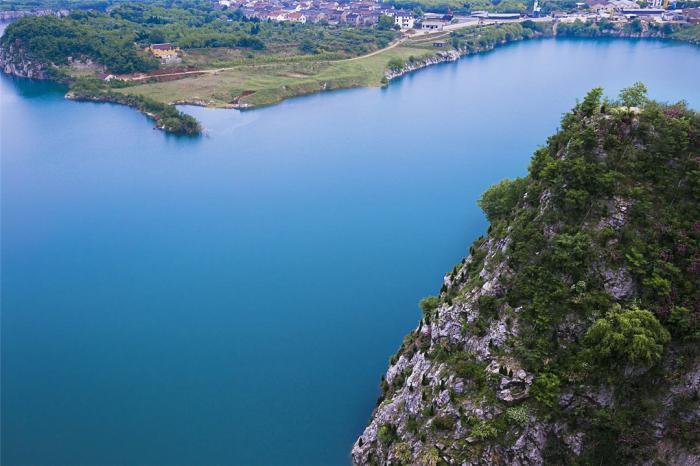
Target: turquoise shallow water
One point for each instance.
(234, 299)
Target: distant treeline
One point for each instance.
(472, 40)
(683, 32)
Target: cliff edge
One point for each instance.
(15, 60)
(569, 334)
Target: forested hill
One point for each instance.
(54, 40)
(570, 333)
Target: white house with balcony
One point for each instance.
(404, 20)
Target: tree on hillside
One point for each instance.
(634, 96)
(631, 336)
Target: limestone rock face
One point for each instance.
(15, 61)
(439, 57)
(432, 387)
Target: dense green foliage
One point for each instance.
(472, 40)
(55, 40)
(630, 157)
(498, 201)
(428, 305)
(632, 336)
(688, 34)
(659, 245)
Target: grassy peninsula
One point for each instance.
(224, 61)
(223, 58)
(271, 59)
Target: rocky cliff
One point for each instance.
(16, 61)
(413, 65)
(569, 334)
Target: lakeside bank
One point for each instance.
(249, 86)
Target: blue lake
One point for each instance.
(234, 299)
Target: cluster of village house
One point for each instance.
(624, 10)
(356, 13)
(367, 13)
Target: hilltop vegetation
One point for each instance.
(55, 40)
(570, 333)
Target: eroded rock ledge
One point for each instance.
(14, 60)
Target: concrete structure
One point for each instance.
(404, 20)
(642, 11)
(165, 52)
(503, 16)
(432, 25)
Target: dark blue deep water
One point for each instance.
(234, 299)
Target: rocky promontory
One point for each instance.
(15, 60)
(569, 334)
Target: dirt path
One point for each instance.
(217, 70)
(165, 75)
(371, 54)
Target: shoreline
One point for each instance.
(169, 119)
(455, 55)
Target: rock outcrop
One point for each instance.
(16, 61)
(504, 367)
(439, 57)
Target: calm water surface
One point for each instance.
(234, 299)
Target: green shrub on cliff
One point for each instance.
(546, 389)
(632, 336)
(498, 201)
(387, 433)
(634, 96)
(428, 306)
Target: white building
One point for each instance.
(405, 21)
